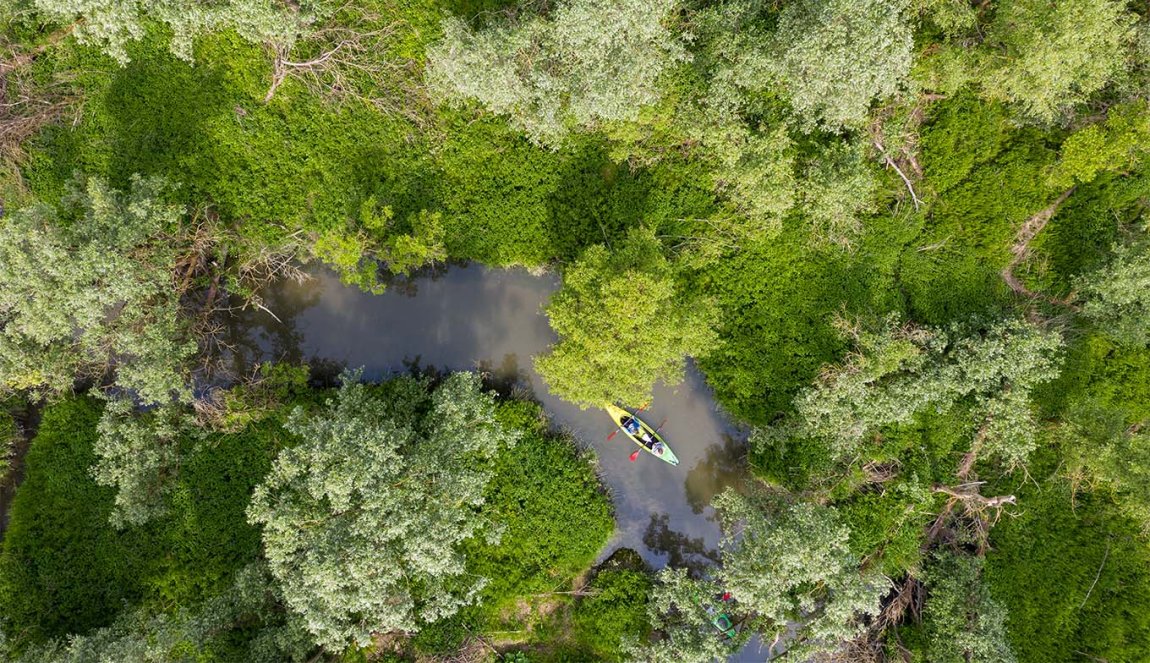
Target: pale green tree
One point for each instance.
(358, 251)
(964, 624)
(1117, 296)
(363, 520)
(139, 453)
(835, 57)
(682, 611)
(954, 17)
(623, 324)
(113, 25)
(756, 172)
(898, 371)
(791, 565)
(1102, 449)
(589, 61)
(1045, 57)
(90, 287)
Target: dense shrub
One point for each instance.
(1069, 568)
(557, 517)
(65, 569)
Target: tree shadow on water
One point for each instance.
(682, 551)
(508, 379)
(408, 284)
(723, 466)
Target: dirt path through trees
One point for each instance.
(1021, 246)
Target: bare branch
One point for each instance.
(349, 58)
(973, 497)
(906, 180)
(1096, 576)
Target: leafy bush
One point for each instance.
(615, 610)
(556, 516)
(1072, 574)
(555, 520)
(64, 568)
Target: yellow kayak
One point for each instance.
(647, 437)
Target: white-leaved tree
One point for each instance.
(756, 170)
(589, 61)
(138, 453)
(682, 610)
(963, 622)
(112, 25)
(837, 187)
(1117, 296)
(834, 57)
(89, 287)
(899, 370)
(364, 518)
(791, 566)
(1045, 57)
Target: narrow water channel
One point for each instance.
(468, 317)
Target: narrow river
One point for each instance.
(468, 317)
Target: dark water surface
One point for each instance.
(468, 317)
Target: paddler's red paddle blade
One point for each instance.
(613, 434)
(634, 456)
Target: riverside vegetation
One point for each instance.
(905, 241)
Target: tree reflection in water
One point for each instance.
(721, 467)
(682, 551)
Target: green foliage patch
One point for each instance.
(778, 300)
(556, 519)
(1070, 568)
(64, 568)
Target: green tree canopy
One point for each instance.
(113, 25)
(756, 169)
(1118, 295)
(835, 57)
(1045, 57)
(138, 454)
(623, 325)
(837, 187)
(88, 287)
(363, 520)
(678, 609)
(589, 62)
(964, 624)
(793, 565)
(1119, 143)
(1099, 441)
(898, 371)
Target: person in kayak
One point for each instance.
(632, 426)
